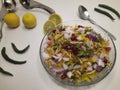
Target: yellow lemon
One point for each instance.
(56, 18)
(52, 22)
(48, 26)
(12, 20)
(29, 20)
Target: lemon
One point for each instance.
(12, 20)
(29, 20)
(48, 26)
(56, 18)
(52, 22)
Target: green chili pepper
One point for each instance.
(19, 51)
(104, 12)
(81, 53)
(55, 46)
(7, 58)
(5, 72)
(111, 9)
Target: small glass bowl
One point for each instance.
(97, 78)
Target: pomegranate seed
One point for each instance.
(105, 60)
(75, 51)
(49, 38)
(108, 48)
(80, 26)
(74, 37)
(81, 44)
(63, 76)
(53, 31)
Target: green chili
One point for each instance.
(19, 51)
(5, 72)
(111, 9)
(7, 58)
(104, 12)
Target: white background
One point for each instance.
(32, 75)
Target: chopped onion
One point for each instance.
(95, 57)
(101, 63)
(60, 57)
(57, 57)
(81, 30)
(76, 66)
(89, 63)
(99, 68)
(89, 68)
(70, 67)
(93, 37)
(89, 43)
(69, 74)
(53, 63)
(88, 32)
(66, 59)
(45, 55)
(95, 66)
(58, 71)
(69, 30)
(102, 56)
(79, 38)
(67, 35)
(65, 66)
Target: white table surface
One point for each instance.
(32, 75)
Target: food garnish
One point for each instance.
(105, 13)
(18, 50)
(76, 53)
(111, 9)
(7, 58)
